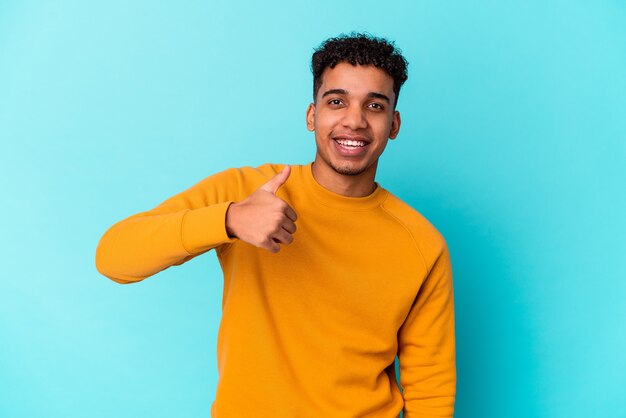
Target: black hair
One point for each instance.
(361, 49)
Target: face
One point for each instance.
(353, 118)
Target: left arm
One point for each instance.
(427, 347)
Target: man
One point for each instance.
(314, 316)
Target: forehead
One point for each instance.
(356, 79)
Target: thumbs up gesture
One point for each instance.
(262, 219)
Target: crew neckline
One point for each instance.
(336, 200)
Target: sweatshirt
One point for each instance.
(313, 330)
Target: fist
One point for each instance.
(263, 219)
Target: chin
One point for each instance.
(348, 170)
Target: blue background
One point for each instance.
(512, 144)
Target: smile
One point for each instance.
(350, 144)
(350, 148)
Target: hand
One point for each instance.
(262, 219)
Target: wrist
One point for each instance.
(229, 220)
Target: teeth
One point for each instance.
(351, 143)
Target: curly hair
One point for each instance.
(361, 49)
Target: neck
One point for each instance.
(359, 185)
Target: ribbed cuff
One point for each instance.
(205, 228)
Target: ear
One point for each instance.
(310, 117)
(395, 125)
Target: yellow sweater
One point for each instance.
(313, 330)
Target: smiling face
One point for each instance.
(353, 118)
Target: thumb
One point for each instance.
(277, 181)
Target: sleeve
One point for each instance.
(182, 227)
(427, 347)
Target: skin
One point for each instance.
(263, 219)
(350, 105)
(353, 102)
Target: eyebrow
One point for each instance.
(371, 94)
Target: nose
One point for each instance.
(354, 118)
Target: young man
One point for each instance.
(313, 318)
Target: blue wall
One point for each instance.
(513, 144)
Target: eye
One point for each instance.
(377, 106)
(334, 101)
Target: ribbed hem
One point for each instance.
(205, 228)
(335, 200)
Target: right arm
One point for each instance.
(182, 227)
(191, 223)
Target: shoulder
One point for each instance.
(259, 173)
(429, 241)
(267, 169)
(232, 183)
(245, 174)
